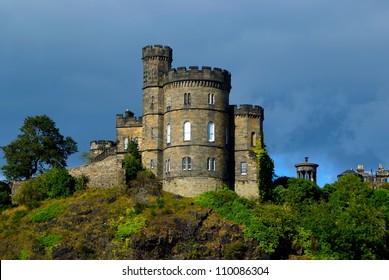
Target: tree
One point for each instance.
(39, 146)
(132, 162)
(265, 166)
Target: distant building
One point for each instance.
(375, 179)
(307, 170)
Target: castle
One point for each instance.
(189, 135)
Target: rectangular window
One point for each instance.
(168, 165)
(187, 130)
(211, 164)
(211, 132)
(184, 164)
(152, 164)
(243, 168)
(168, 134)
(189, 163)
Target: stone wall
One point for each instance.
(191, 187)
(107, 173)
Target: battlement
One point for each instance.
(128, 120)
(101, 144)
(195, 74)
(157, 50)
(248, 110)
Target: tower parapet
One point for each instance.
(128, 120)
(253, 111)
(204, 77)
(157, 51)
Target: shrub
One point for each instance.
(58, 183)
(30, 193)
(48, 213)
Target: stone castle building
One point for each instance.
(189, 135)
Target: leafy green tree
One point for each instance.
(351, 225)
(58, 183)
(132, 162)
(265, 169)
(39, 146)
(298, 192)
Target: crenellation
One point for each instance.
(249, 110)
(214, 76)
(128, 120)
(157, 51)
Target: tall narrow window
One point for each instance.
(136, 140)
(168, 133)
(211, 99)
(253, 139)
(185, 99)
(126, 143)
(168, 165)
(211, 132)
(211, 164)
(189, 99)
(243, 168)
(187, 131)
(152, 102)
(189, 163)
(184, 163)
(151, 163)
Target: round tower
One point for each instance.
(307, 170)
(156, 63)
(196, 125)
(248, 132)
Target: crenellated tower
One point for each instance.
(248, 131)
(196, 122)
(156, 63)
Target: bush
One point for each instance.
(58, 183)
(30, 193)
(48, 213)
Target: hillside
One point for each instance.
(344, 220)
(107, 224)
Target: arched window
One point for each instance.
(253, 139)
(187, 131)
(184, 163)
(136, 140)
(211, 132)
(168, 133)
(189, 163)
